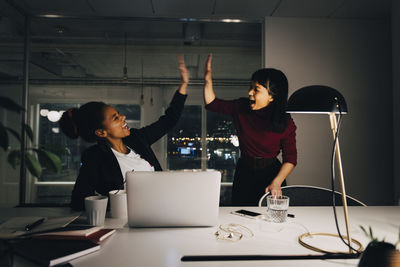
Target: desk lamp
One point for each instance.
(318, 99)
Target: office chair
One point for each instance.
(305, 195)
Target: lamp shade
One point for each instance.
(317, 99)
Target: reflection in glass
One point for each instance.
(222, 145)
(222, 150)
(184, 141)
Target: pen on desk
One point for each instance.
(290, 215)
(30, 226)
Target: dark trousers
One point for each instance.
(249, 183)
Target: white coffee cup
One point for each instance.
(118, 204)
(96, 207)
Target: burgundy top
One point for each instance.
(255, 137)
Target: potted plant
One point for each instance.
(33, 163)
(379, 253)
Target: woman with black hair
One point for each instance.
(264, 130)
(119, 149)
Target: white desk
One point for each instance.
(147, 247)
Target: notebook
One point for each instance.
(173, 198)
(53, 252)
(96, 237)
(74, 231)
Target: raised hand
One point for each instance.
(207, 72)
(183, 70)
(209, 94)
(184, 75)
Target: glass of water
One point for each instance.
(277, 208)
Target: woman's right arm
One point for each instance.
(184, 75)
(165, 123)
(211, 102)
(209, 94)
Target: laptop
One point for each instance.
(173, 198)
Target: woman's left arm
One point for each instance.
(289, 156)
(158, 129)
(275, 187)
(184, 75)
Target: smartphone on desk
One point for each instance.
(246, 213)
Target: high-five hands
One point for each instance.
(207, 72)
(183, 69)
(209, 94)
(184, 75)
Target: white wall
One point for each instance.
(353, 56)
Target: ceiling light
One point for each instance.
(43, 112)
(232, 20)
(53, 116)
(52, 16)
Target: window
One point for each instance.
(222, 151)
(222, 145)
(184, 141)
(129, 61)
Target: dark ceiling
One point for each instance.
(87, 38)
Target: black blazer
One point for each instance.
(100, 171)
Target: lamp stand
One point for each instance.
(334, 126)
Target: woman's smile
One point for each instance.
(125, 126)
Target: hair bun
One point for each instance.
(68, 123)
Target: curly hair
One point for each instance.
(84, 121)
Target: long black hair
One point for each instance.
(84, 121)
(277, 83)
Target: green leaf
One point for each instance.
(14, 158)
(33, 165)
(50, 160)
(14, 132)
(29, 131)
(371, 234)
(57, 149)
(365, 231)
(9, 104)
(3, 137)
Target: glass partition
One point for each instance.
(132, 63)
(184, 141)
